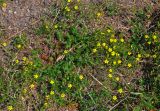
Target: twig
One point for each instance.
(100, 82)
(61, 57)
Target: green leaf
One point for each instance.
(137, 108)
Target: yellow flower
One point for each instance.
(106, 47)
(147, 55)
(108, 30)
(4, 5)
(47, 97)
(129, 53)
(112, 36)
(36, 76)
(4, 44)
(114, 62)
(69, 85)
(51, 82)
(115, 40)
(103, 44)
(122, 40)
(63, 95)
(119, 61)
(110, 70)
(110, 50)
(102, 33)
(16, 61)
(56, 26)
(139, 56)
(137, 59)
(98, 44)
(114, 98)
(113, 53)
(81, 77)
(111, 40)
(32, 86)
(120, 90)
(148, 16)
(149, 42)
(45, 104)
(66, 51)
(106, 61)
(10, 108)
(19, 46)
(31, 63)
(99, 14)
(67, 9)
(68, 1)
(110, 75)
(117, 54)
(154, 37)
(24, 58)
(76, 7)
(46, 27)
(52, 93)
(94, 50)
(117, 78)
(78, 0)
(146, 36)
(129, 65)
(154, 56)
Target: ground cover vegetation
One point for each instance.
(72, 60)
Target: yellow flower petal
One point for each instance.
(51, 82)
(68, 1)
(63, 95)
(119, 61)
(10, 108)
(122, 40)
(16, 61)
(120, 90)
(51, 92)
(19, 46)
(129, 65)
(106, 61)
(110, 70)
(103, 44)
(94, 50)
(117, 78)
(76, 7)
(4, 44)
(4, 5)
(81, 77)
(113, 53)
(110, 75)
(66, 51)
(110, 50)
(146, 36)
(114, 98)
(98, 44)
(69, 85)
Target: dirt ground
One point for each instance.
(20, 15)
